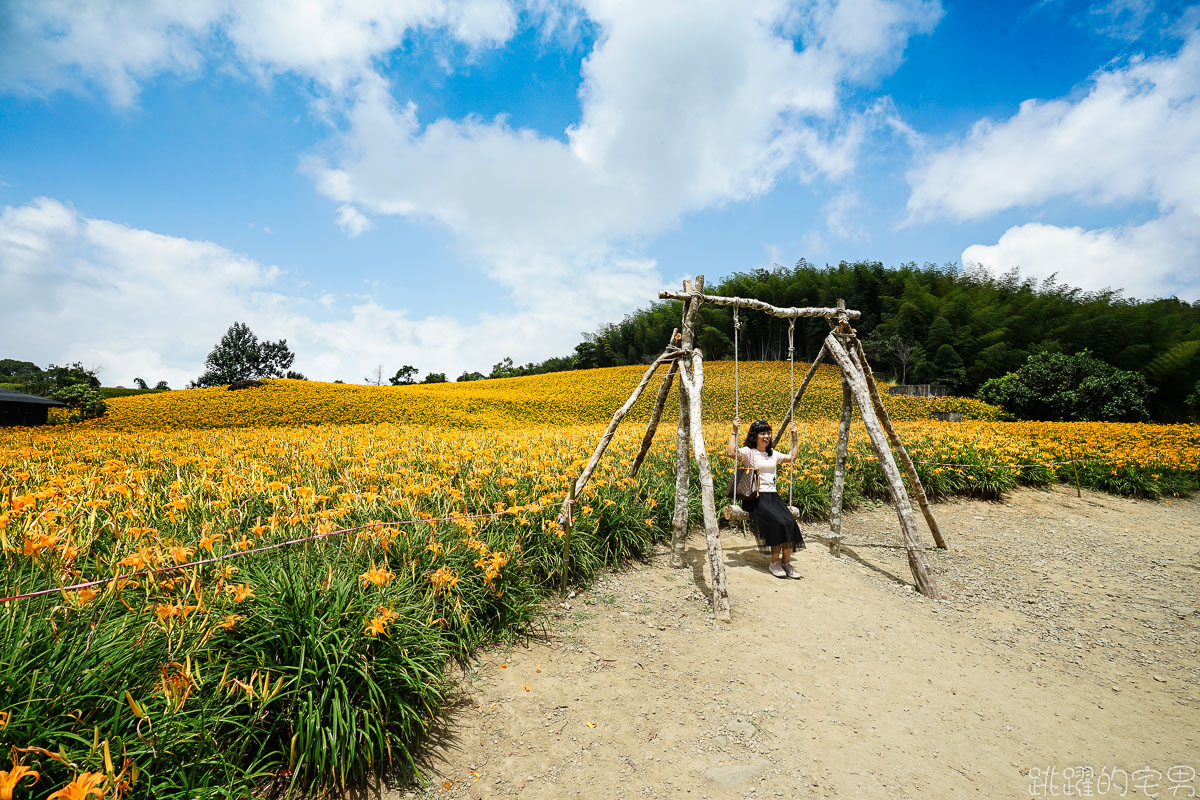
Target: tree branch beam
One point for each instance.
(759, 305)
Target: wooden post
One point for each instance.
(602, 445)
(808, 376)
(910, 469)
(659, 402)
(839, 471)
(694, 385)
(567, 524)
(1075, 468)
(922, 576)
(683, 462)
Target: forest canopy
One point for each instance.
(929, 324)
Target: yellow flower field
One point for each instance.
(559, 398)
(449, 493)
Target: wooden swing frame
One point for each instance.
(858, 388)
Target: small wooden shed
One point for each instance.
(17, 408)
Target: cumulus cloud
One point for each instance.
(70, 44)
(142, 304)
(353, 221)
(1132, 137)
(685, 106)
(1155, 259)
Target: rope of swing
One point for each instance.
(737, 323)
(792, 394)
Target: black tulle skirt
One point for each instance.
(773, 523)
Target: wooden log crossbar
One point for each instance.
(759, 305)
(858, 388)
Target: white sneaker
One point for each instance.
(777, 570)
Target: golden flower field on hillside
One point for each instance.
(558, 398)
(175, 478)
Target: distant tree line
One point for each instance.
(929, 324)
(74, 384)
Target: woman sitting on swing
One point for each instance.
(777, 533)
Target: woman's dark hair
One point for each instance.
(757, 427)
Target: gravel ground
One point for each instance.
(1069, 639)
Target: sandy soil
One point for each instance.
(1071, 639)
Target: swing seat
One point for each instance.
(737, 514)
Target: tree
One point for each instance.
(894, 349)
(162, 386)
(948, 367)
(292, 375)
(138, 383)
(504, 369)
(405, 376)
(471, 376)
(274, 359)
(83, 400)
(1080, 387)
(1193, 402)
(13, 371)
(240, 356)
(714, 343)
(435, 377)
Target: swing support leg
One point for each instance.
(716, 558)
(906, 462)
(839, 471)
(683, 464)
(922, 575)
(683, 478)
(659, 402)
(602, 445)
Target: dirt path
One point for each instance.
(1071, 640)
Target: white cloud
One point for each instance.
(1132, 138)
(1120, 19)
(840, 215)
(117, 44)
(141, 304)
(353, 221)
(1155, 259)
(685, 106)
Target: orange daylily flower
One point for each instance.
(376, 575)
(241, 592)
(378, 624)
(443, 580)
(9, 778)
(84, 786)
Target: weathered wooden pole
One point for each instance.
(566, 525)
(683, 461)
(660, 402)
(839, 471)
(759, 305)
(922, 576)
(906, 462)
(694, 385)
(602, 445)
(808, 376)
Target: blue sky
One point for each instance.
(445, 183)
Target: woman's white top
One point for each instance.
(765, 464)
